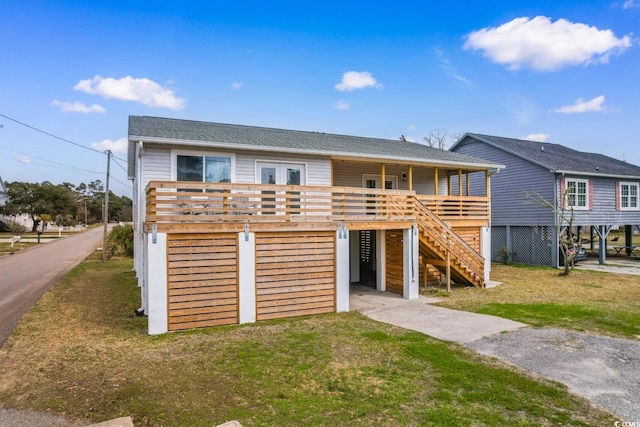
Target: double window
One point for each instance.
(203, 168)
(629, 196)
(577, 193)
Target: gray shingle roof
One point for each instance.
(559, 158)
(251, 137)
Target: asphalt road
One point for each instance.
(25, 276)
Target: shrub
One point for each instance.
(120, 241)
(16, 228)
(504, 254)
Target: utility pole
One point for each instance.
(105, 214)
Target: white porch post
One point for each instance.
(342, 269)
(381, 261)
(410, 262)
(157, 283)
(485, 251)
(246, 277)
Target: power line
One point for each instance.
(122, 183)
(121, 167)
(51, 161)
(51, 135)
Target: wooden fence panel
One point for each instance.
(394, 257)
(471, 235)
(295, 274)
(202, 280)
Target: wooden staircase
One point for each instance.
(441, 247)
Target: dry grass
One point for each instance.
(82, 352)
(603, 303)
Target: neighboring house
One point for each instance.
(602, 191)
(235, 224)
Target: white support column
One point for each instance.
(410, 262)
(354, 256)
(485, 251)
(342, 270)
(157, 283)
(247, 277)
(381, 261)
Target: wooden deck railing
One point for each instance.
(443, 236)
(185, 202)
(224, 202)
(452, 208)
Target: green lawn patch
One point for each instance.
(588, 301)
(83, 353)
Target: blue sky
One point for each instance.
(566, 72)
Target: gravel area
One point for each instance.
(18, 418)
(604, 370)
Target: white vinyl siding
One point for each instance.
(318, 170)
(156, 164)
(349, 174)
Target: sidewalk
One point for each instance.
(419, 315)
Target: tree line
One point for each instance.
(64, 204)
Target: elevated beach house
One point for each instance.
(237, 224)
(602, 191)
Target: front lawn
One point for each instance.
(586, 301)
(83, 353)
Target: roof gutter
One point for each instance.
(600, 175)
(332, 154)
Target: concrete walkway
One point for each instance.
(461, 327)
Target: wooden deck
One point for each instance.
(192, 208)
(187, 207)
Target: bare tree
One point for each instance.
(437, 138)
(440, 138)
(568, 241)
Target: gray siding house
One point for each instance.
(603, 192)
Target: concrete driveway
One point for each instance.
(604, 370)
(621, 265)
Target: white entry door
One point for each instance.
(280, 174)
(375, 181)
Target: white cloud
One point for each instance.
(352, 80)
(582, 106)
(341, 105)
(117, 146)
(540, 137)
(411, 128)
(24, 159)
(630, 4)
(446, 66)
(543, 45)
(142, 90)
(236, 85)
(78, 107)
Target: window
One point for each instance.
(203, 168)
(628, 196)
(577, 193)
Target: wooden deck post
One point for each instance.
(459, 182)
(468, 184)
(448, 271)
(410, 178)
(383, 175)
